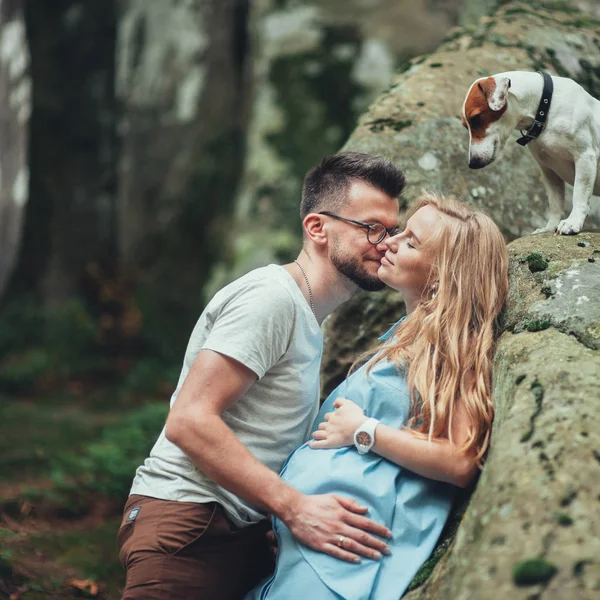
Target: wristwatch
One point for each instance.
(364, 436)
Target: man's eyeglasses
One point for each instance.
(376, 232)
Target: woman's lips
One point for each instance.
(385, 260)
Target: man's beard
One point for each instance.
(355, 271)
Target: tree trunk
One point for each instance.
(15, 107)
(184, 90)
(70, 223)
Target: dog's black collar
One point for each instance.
(539, 122)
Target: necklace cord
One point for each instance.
(310, 294)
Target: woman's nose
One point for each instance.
(392, 242)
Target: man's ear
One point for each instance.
(495, 90)
(313, 225)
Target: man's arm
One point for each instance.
(216, 382)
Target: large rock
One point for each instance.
(416, 122)
(535, 509)
(537, 498)
(532, 528)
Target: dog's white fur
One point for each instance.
(568, 150)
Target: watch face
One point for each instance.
(363, 438)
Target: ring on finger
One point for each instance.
(341, 541)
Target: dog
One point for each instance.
(568, 146)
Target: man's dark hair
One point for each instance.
(326, 185)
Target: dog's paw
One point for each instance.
(550, 227)
(568, 227)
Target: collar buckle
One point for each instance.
(539, 122)
(535, 129)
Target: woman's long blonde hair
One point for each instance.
(448, 341)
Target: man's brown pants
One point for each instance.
(189, 551)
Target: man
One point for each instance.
(194, 525)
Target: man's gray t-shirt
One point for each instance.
(263, 321)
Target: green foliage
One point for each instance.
(533, 571)
(20, 325)
(5, 564)
(19, 372)
(54, 343)
(32, 433)
(149, 377)
(107, 466)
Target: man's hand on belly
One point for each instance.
(337, 526)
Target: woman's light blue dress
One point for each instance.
(413, 507)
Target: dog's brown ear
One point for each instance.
(495, 90)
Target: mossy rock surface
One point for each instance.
(416, 123)
(536, 498)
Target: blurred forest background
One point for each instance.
(150, 152)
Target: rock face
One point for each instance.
(531, 529)
(416, 123)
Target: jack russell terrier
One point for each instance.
(568, 146)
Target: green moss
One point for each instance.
(436, 65)
(380, 124)
(536, 262)
(533, 571)
(537, 324)
(563, 519)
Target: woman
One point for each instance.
(429, 386)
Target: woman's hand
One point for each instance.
(337, 430)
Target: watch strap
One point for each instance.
(368, 427)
